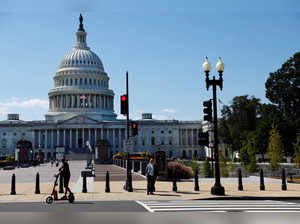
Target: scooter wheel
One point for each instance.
(71, 198)
(49, 200)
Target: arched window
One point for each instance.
(80, 81)
(152, 141)
(4, 143)
(75, 82)
(85, 81)
(90, 81)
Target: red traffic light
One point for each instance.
(123, 98)
(134, 125)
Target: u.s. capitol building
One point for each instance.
(81, 109)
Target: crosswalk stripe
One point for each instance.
(262, 205)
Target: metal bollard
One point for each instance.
(196, 188)
(262, 184)
(129, 187)
(283, 185)
(240, 187)
(84, 189)
(61, 184)
(107, 188)
(174, 182)
(37, 183)
(13, 185)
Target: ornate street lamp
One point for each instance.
(217, 189)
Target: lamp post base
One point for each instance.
(217, 190)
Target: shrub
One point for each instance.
(194, 165)
(181, 171)
(206, 169)
(223, 165)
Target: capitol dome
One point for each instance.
(81, 58)
(81, 86)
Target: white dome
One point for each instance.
(81, 58)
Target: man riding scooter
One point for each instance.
(65, 172)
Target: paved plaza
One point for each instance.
(25, 186)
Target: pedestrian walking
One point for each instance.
(150, 177)
(52, 162)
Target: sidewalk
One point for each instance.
(25, 191)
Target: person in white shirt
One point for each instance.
(150, 177)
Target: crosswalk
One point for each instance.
(220, 205)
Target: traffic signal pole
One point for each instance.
(127, 115)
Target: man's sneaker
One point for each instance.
(64, 197)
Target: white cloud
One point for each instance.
(18, 103)
(169, 110)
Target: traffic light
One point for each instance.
(134, 128)
(124, 104)
(207, 110)
(203, 138)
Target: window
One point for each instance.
(162, 132)
(63, 82)
(15, 134)
(170, 132)
(4, 133)
(75, 82)
(85, 81)
(80, 81)
(143, 141)
(94, 81)
(90, 81)
(152, 141)
(67, 83)
(170, 141)
(71, 82)
(4, 143)
(152, 132)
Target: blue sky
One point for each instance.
(161, 43)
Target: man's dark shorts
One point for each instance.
(66, 181)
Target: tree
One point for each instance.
(238, 120)
(248, 157)
(283, 88)
(270, 114)
(297, 150)
(275, 148)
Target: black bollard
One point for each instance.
(13, 185)
(107, 188)
(84, 189)
(61, 184)
(283, 185)
(240, 187)
(262, 184)
(174, 182)
(37, 183)
(129, 187)
(196, 188)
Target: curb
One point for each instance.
(249, 198)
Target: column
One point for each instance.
(112, 103)
(83, 140)
(57, 137)
(70, 139)
(120, 143)
(113, 138)
(33, 138)
(40, 138)
(78, 101)
(105, 103)
(89, 137)
(64, 138)
(76, 135)
(96, 135)
(52, 138)
(101, 133)
(193, 137)
(46, 139)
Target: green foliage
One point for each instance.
(223, 165)
(10, 158)
(247, 154)
(275, 148)
(297, 150)
(206, 169)
(194, 165)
